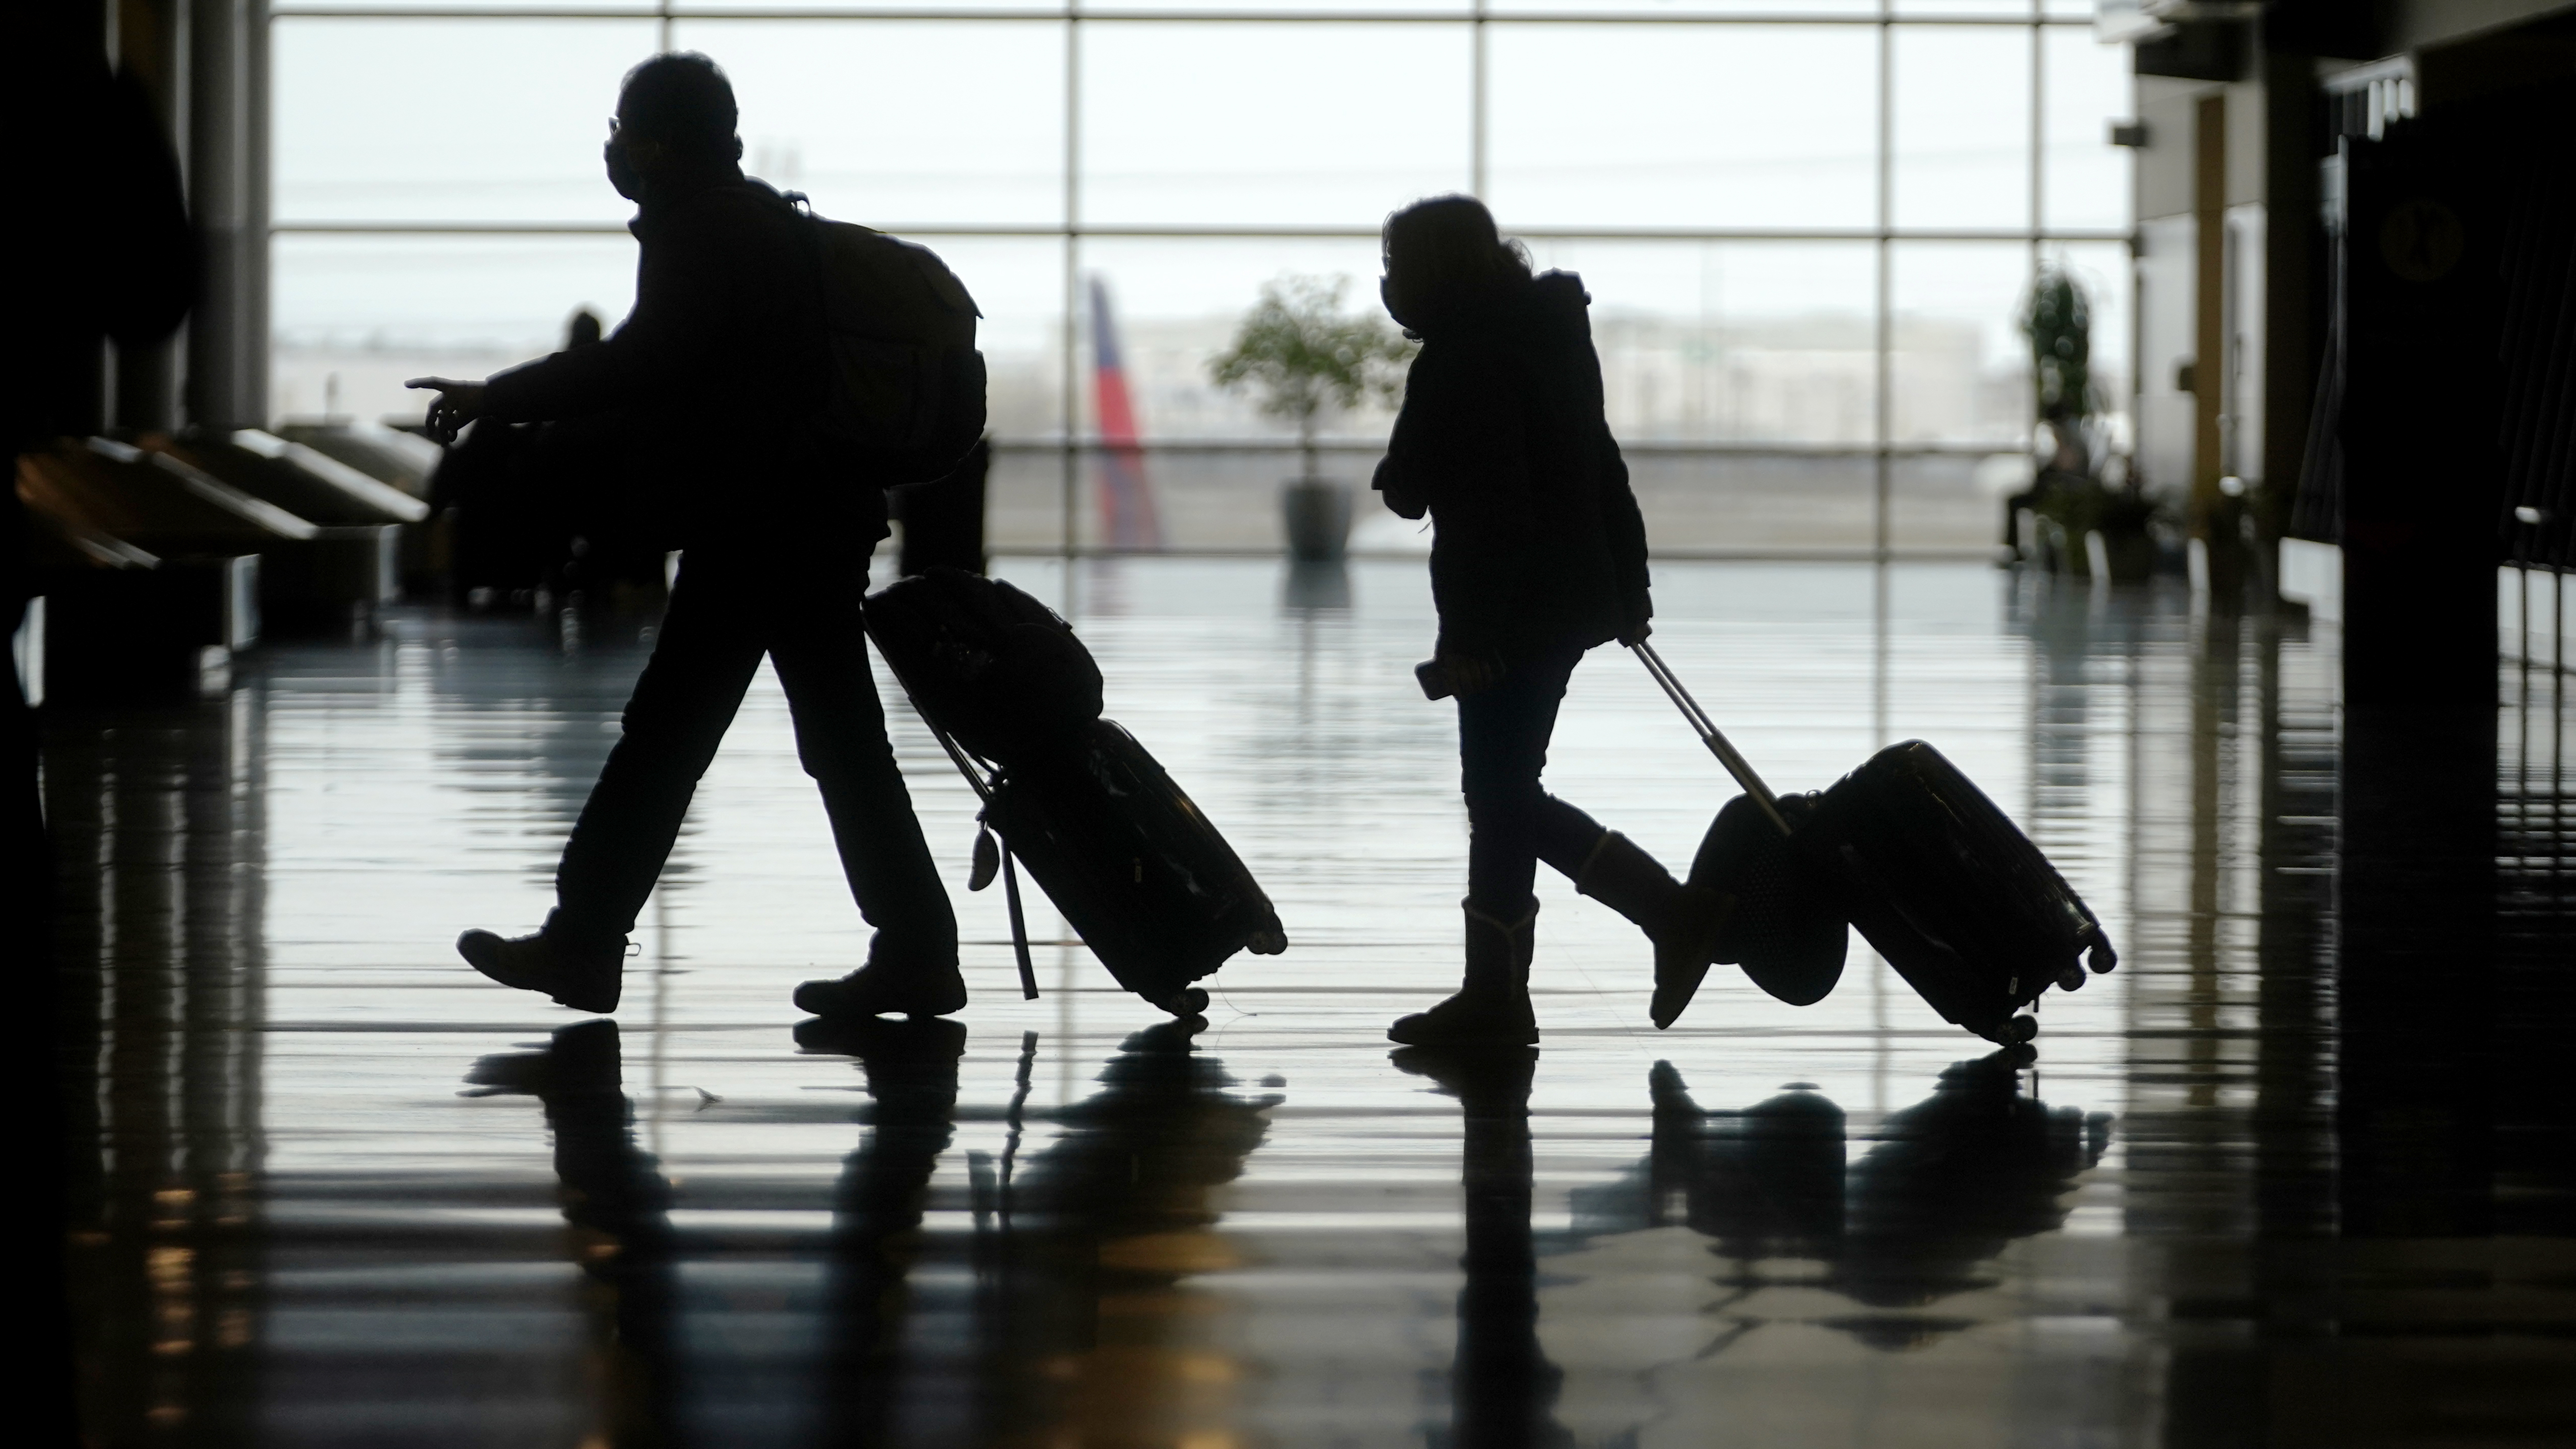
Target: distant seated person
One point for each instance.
(725, 366)
(510, 516)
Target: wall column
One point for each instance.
(152, 51)
(227, 159)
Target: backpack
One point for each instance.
(906, 402)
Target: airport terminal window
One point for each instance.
(1806, 224)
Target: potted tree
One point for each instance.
(2070, 495)
(1305, 356)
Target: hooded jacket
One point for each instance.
(1537, 544)
(722, 368)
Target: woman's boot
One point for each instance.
(1684, 921)
(1492, 1007)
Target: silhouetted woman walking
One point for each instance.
(1538, 554)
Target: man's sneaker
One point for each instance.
(585, 980)
(880, 987)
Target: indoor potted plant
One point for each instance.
(1305, 356)
(2070, 493)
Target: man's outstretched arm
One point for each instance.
(679, 297)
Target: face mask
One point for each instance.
(621, 169)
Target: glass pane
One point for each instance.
(1751, 345)
(448, 120)
(1291, 124)
(1752, 342)
(1962, 126)
(1975, 9)
(1694, 126)
(1691, 7)
(1019, 284)
(354, 316)
(1953, 503)
(2085, 182)
(635, 8)
(772, 6)
(1174, 305)
(900, 123)
(1342, 7)
(1962, 371)
(1751, 503)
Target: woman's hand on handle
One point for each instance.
(1471, 672)
(457, 404)
(1640, 623)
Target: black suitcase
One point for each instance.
(1936, 878)
(1150, 886)
(1950, 891)
(1138, 871)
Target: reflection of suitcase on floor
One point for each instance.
(1938, 879)
(1137, 870)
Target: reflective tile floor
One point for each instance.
(331, 1188)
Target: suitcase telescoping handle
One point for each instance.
(1710, 735)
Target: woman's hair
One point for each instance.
(1446, 248)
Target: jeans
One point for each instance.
(731, 605)
(1512, 824)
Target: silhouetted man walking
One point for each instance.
(726, 360)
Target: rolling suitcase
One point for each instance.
(1138, 871)
(1935, 877)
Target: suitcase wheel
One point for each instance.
(2018, 1030)
(1188, 1001)
(2102, 958)
(2071, 979)
(1270, 940)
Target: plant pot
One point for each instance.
(1315, 513)
(2129, 552)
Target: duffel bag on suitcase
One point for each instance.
(994, 668)
(1934, 876)
(1137, 870)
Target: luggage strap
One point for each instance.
(1010, 876)
(1019, 925)
(1710, 735)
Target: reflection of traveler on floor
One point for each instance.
(619, 1207)
(726, 346)
(877, 1210)
(1538, 553)
(1090, 1340)
(1502, 1388)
